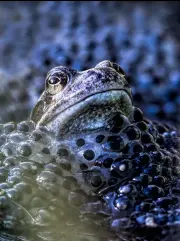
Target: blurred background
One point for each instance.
(143, 37)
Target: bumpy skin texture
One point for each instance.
(82, 100)
(117, 182)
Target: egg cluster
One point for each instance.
(124, 178)
(39, 194)
(133, 166)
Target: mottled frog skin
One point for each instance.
(88, 166)
(82, 101)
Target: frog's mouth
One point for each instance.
(89, 113)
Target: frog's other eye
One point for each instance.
(107, 63)
(55, 82)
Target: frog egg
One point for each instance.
(77, 197)
(55, 168)
(116, 123)
(46, 151)
(123, 203)
(133, 147)
(144, 206)
(42, 135)
(166, 202)
(145, 179)
(136, 115)
(3, 174)
(80, 142)
(175, 161)
(159, 181)
(91, 180)
(49, 182)
(89, 155)
(13, 194)
(119, 224)
(161, 219)
(167, 162)
(142, 126)
(160, 140)
(104, 161)
(96, 181)
(19, 213)
(157, 157)
(146, 138)
(153, 170)
(4, 185)
(83, 166)
(141, 219)
(120, 169)
(144, 159)
(8, 149)
(29, 167)
(167, 172)
(46, 177)
(16, 137)
(68, 182)
(132, 132)
(100, 138)
(153, 191)
(128, 189)
(107, 162)
(114, 143)
(153, 131)
(24, 190)
(36, 135)
(40, 159)
(150, 221)
(26, 126)
(44, 216)
(9, 127)
(151, 147)
(65, 165)
(25, 149)
(16, 171)
(62, 152)
(4, 201)
(36, 202)
(13, 179)
(11, 161)
(161, 128)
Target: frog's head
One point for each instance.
(76, 101)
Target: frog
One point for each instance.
(88, 165)
(81, 101)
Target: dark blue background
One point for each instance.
(143, 37)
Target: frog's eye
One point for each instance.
(55, 82)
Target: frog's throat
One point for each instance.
(89, 113)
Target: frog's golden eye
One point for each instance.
(55, 82)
